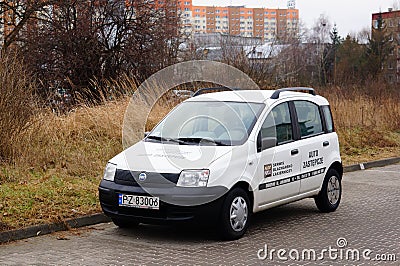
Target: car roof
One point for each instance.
(257, 96)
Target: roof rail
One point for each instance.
(276, 94)
(203, 90)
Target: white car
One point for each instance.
(220, 157)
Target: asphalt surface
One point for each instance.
(367, 223)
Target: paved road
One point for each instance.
(368, 219)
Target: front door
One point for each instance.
(279, 166)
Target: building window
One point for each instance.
(375, 24)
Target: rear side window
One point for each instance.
(328, 118)
(309, 118)
(278, 124)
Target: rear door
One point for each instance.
(314, 144)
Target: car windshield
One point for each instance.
(208, 123)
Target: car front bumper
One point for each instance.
(177, 204)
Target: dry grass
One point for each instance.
(16, 108)
(367, 121)
(61, 164)
(61, 158)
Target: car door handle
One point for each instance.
(326, 143)
(294, 152)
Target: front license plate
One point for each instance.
(142, 202)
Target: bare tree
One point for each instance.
(320, 38)
(396, 4)
(75, 42)
(17, 14)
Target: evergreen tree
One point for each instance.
(351, 62)
(331, 54)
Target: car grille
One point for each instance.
(130, 178)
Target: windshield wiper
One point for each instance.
(199, 140)
(162, 139)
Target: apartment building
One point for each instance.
(391, 25)
(266, 23)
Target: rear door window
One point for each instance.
(328, 118)
(309, 118)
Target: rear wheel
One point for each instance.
(235, 215)
(328, 199)
(122, 223)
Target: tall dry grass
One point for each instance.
(16, 105)
(367, 120)
(371, 107)
(60, 164)
(78, 142)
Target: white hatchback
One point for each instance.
(219, 157)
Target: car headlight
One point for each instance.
(109, 172)
(193, 178)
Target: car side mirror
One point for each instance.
(268, 142)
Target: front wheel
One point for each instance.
(329, 197)
(235, 215)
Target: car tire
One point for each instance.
(122, 223)
(329, 197)
(235, 215)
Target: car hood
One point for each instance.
(168, 158)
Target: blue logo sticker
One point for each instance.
(142, 177)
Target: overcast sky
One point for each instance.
(350, 15)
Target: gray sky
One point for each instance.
(350, 15)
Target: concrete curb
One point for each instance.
(45, 229)
(18, 234)
(363, 166)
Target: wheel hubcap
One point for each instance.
(333, 190)
(238, 214)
